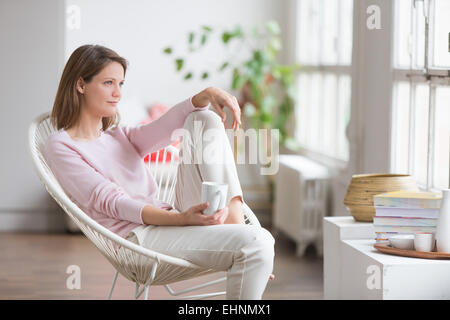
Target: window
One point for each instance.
(324, 83)
(421, 107)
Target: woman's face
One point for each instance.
(103, 93)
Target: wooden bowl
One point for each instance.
(362, 188)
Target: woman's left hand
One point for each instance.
(220, 100)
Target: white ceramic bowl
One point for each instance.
(404, 241)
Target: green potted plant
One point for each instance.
(266, 87)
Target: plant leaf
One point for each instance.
(268, 103)
(205, 75)
(204, 38)
(226, 36)
(179, 63)
(168, 50)
(266, 118)
(238, 32)
(275, 44)
(291, 144)
(223, 66)
(191, 37)
(273, 27)
(238, 80)
(207, 28)
(188, 76)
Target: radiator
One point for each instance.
(301, 201)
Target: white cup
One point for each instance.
(216, 194)
(424, 241)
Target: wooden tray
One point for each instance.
(386, 248)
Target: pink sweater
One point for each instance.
(107, 177)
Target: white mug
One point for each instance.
(216, 194)
(424, 241)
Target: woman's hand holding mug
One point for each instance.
(194, 216)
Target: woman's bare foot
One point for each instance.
(235, 212)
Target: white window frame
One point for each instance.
(324, 69)
(433, 77)
(369, 131)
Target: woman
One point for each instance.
(100, 166)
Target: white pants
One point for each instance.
(245, 252)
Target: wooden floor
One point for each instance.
(33, 266)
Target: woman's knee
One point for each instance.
(267, 245)
(258, 242)
(207, 118)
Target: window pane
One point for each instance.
(400, 130)
(402, 33)
(314, 52)
(441, 25)
(314, 106)
(331, 24)
(329, 116)
(343, 116)
(442, 140)
(419, 36)
(303, 25)
(311, 45)
(302, 111)
(329, 31)
(309, 24)
(323, 111)
(421, 134)
(346, 32)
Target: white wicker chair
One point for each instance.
(138, 264)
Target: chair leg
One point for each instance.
(146, 292)
(150, 280)
(173, 293)
(136, 291)
(113, 285)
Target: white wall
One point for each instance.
(140, 30)
(31, 40)
(35, 44)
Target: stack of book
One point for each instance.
(405, 212)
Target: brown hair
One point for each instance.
(85, 62)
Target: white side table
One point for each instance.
(370, 274)
(354, 269)
(336, 229)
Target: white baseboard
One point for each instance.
(31, 221)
